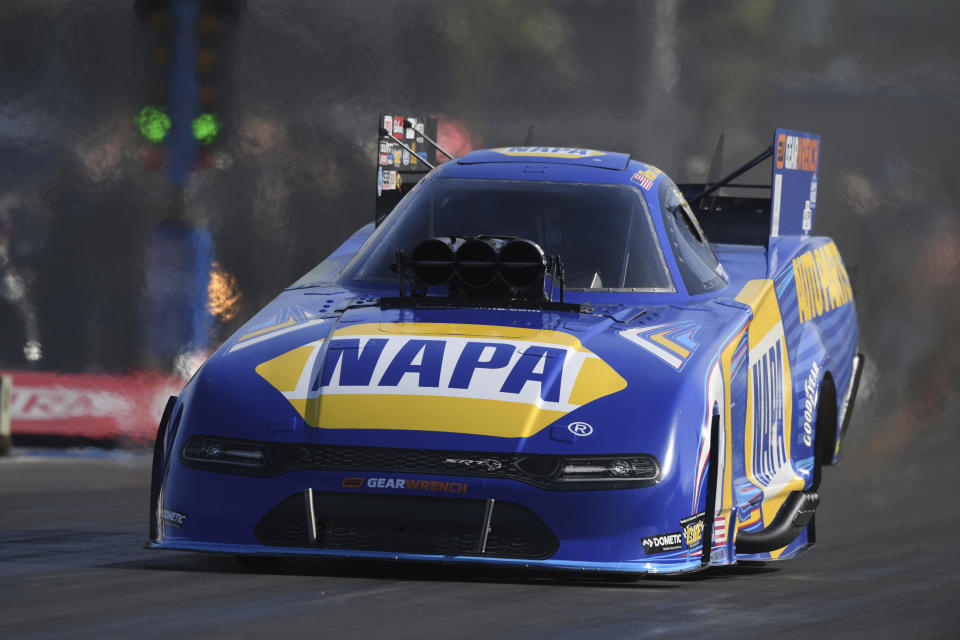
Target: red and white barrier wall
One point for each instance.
(126, 408)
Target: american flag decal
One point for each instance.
(646, 177)
(720, 530)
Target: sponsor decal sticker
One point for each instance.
(720, 530)
(770, 398)
(662, 543)
(797, 152)
(173, 518)
(767, 375)
(402, 484)
(810, 403)
(822, 282)
(477, 379)
(548, 152)
(692, 528)
(646, 177)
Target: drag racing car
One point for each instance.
(536, 356)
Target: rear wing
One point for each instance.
(406, 151)
(788, 208)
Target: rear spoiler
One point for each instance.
(406, 152)
(740, 217)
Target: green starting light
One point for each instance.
(206, 126)
(154, 124)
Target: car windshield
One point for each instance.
(602, 232)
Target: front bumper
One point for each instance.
(582, 530)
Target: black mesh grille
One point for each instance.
(536, 469)
(539, 469)
(407, 524)
(545, 471)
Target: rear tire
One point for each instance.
(825, 433)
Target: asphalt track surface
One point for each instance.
(72, 565)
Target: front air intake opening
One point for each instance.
(407, 524)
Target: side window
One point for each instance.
(698, 265)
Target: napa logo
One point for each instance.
(475, 379)
(548, 152)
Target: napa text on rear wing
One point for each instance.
(734, 212)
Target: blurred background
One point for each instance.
(169, 167)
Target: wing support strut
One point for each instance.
(733, 176)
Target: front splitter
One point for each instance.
(661, 567)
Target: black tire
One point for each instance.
(825, 430)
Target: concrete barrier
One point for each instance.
(6, 387)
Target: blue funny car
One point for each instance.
(536, 358)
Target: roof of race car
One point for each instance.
(549, 155)
(556, 164)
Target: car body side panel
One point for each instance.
(818, 335)
(819, 312)
(733, 360)
(769, 473)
